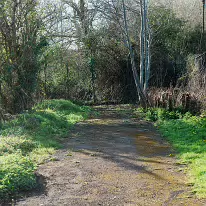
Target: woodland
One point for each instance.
(60, 55)
(101, 51)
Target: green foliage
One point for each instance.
(16, 174)
(167, 27)
(155, 114)
(173, 40)
(29, 139)
(61, 76)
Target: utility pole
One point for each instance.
(203, 16)
(203, 24)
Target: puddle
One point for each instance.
(147, 146)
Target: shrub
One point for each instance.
(16, 174)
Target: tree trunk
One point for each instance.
(142, 34)
(143, 99)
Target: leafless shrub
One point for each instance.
(173, 98)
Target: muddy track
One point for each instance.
(113, 160)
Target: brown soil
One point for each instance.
(113, 160)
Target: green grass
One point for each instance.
(30, 139)
(187, 134)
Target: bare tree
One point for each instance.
(145, 43)
(138, 84)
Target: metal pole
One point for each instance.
(203, 18)
(203, 28)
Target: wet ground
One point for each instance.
(113, 159)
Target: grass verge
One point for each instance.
(30, 139)
(187, 134)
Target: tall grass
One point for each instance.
(29, 139)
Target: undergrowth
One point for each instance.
(30, 139)
(187, 134)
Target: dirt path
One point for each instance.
(113, 160)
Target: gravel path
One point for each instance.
(113, 160)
